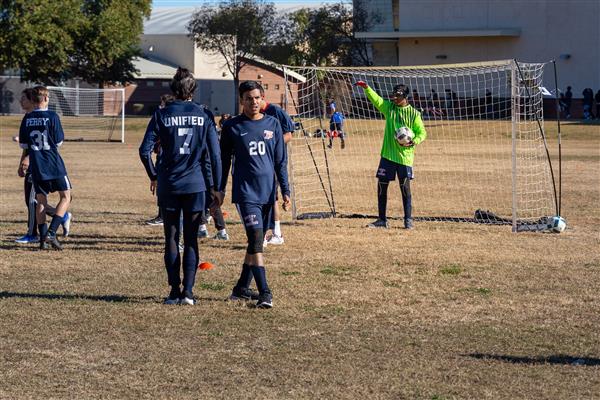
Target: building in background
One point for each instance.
(425, 32)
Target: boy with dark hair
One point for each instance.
(40, 136)
(255, 141)
(287, 127)
(396, 158)
(189, 156)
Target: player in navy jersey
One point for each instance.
(189, 162)
(164, 100)
(287, 126)
(40, 136)
(255, 141)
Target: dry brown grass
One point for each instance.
(447, 311)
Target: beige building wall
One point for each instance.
(468, 30)
(215, 82)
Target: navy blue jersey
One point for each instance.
(287, 125)
(41, 134)
(190, 155)
(258, 150)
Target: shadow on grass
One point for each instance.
(559, 359)
(110, 298)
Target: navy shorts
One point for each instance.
(388, 170)
(188, 202)
(52, 185)
(255, 216)
(336, 126)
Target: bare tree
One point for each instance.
(235, 29)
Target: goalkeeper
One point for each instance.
(396, 158)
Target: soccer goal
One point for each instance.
(485, 159)
(90, 114)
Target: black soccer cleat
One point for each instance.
(265, 300)
(174, 296)
(43, 244)
(49, 241)
(243, 294)
(53, 241)
(379, 224)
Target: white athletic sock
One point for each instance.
(277, 229)
(223, 231)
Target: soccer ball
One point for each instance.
(404, 135)
(557, 224)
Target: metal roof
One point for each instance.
(153, 69)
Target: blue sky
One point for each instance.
(191, 3)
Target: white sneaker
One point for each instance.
(203, 234)
(187, 299)
(275, 239)
(66, 223)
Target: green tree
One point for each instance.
(49, 41)
(235, 29)
(325, 36)
(38, 37)
(109, 40)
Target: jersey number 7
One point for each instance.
(188, 133)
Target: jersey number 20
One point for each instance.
(257, 148)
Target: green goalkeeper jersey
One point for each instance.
(395, 118)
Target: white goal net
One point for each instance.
(90, 114)
(484, 158)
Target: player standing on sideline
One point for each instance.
(256, 143)
(187, 136)
(396, 158)
(40, 136)
(287, 126)
(336, 125)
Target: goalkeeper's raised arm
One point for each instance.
(398, 148)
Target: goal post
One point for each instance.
(90, 114)
(483, 161)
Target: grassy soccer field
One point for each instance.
(447, 311)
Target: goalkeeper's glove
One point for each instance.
(362, 84)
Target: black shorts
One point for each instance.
(336, 126)
(52, 185)
(255, 216)
(388, 170)
(188, 202)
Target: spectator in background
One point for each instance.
(588, 101)
(489, 104)
(433, 105)
(562, 105)
(597, 98)
(416, 100)
(568, 100)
